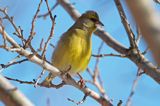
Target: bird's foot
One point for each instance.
(81, 82)
(65, 72)
(46, 84)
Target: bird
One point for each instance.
(73, 50)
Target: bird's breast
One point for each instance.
(81, 52)
(74, 49)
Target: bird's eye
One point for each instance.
(93, 19)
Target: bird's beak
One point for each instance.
(99, 23)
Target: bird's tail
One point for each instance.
(48, 79)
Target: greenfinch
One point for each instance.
(74, 47)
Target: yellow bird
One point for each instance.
(74, 47)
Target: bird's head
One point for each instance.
(92, 16)
(91, 20)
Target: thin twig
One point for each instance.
(47, 13)
(39, 84)
(145, 51)
(51, 31)
(52, 45)
(126, 24)
(41, 45)
(101, 99)
(4, 11)
(13, 63)
(135, 82)
(96, 71)
(89, 72)
(39, 77)
(19, 31)
(79, 102)
(4, 37)
(139, 35)
(32, 33)
(96, 75)
(111, 54)
(48, 40)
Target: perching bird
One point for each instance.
(74, 47)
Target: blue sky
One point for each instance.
(117, 73)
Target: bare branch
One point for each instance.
(19, 31)
(11, 96)
(4, 11)
(148, 20)
(126, 24)
(72, 82)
